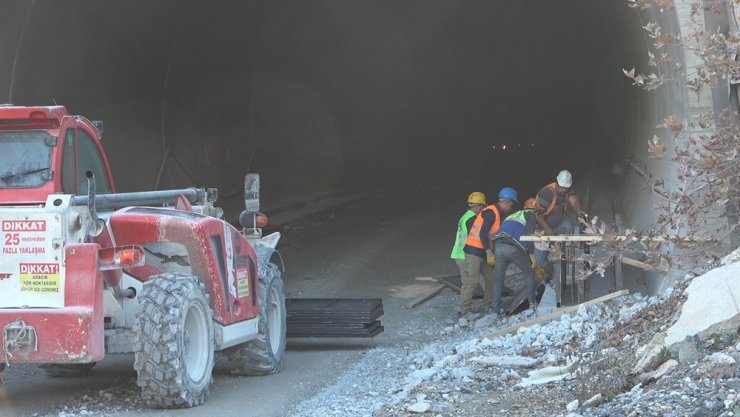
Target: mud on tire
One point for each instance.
(264, 355)
(67, 369)
(173, 352)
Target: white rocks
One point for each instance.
(520, 361)
(732, 257)
(652, 355)
(593, 401)
(710, 306)
(720, 358)
(421, 374)
(718, 365)
(548, 374)
(419, 407)
(489, 320)
(461, 373)
(662, 370)
(572, 406)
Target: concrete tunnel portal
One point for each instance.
(328, 97)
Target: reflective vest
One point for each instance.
(462, 235)
(474, 238)
(514, 226)
(554, 200)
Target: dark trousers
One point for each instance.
(507, 253)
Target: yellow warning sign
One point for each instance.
(242, 280)
(40, 278)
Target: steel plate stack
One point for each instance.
(334, 317)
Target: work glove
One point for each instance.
(539, 272)
(490, 257)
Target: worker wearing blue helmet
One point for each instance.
(479, 258)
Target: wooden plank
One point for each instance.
(642, 265)
(435, 278)
(451, 285)
(555, 315)
(562, 238)
(425, 297)
(599, 238)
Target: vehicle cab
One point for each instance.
(46, 151)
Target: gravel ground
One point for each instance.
(450, 369)
(439, 366)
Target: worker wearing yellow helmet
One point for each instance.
(476, 203)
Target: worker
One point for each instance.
(476, 203)
(555, 198)
(478, 250)
(509, 249)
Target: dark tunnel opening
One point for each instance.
(330, 96)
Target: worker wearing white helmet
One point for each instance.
(555, 199)
(476, 203)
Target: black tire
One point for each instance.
(56, 370)
(264, 355)
(173, 353)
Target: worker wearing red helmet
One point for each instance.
(555, 199)
(476, 203)
(509, 249)
(478, 250)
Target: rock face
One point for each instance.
(712, 306)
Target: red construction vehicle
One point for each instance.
(85, 271)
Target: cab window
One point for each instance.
(69, 172)
(89, 159)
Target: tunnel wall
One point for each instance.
(674, 98)
(327, 97)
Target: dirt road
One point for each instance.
(372, 247)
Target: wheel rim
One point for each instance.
(274, 322)
(195, 344)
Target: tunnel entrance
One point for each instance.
(325, 97)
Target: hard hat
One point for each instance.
(565, 179)
(531, 203)
(509, 194)
(477, 198)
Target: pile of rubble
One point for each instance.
(674, 354)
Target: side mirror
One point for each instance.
(98, 125)
(252, 193)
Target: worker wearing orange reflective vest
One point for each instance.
(476, 203)
(555, 198)
(478, 250)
